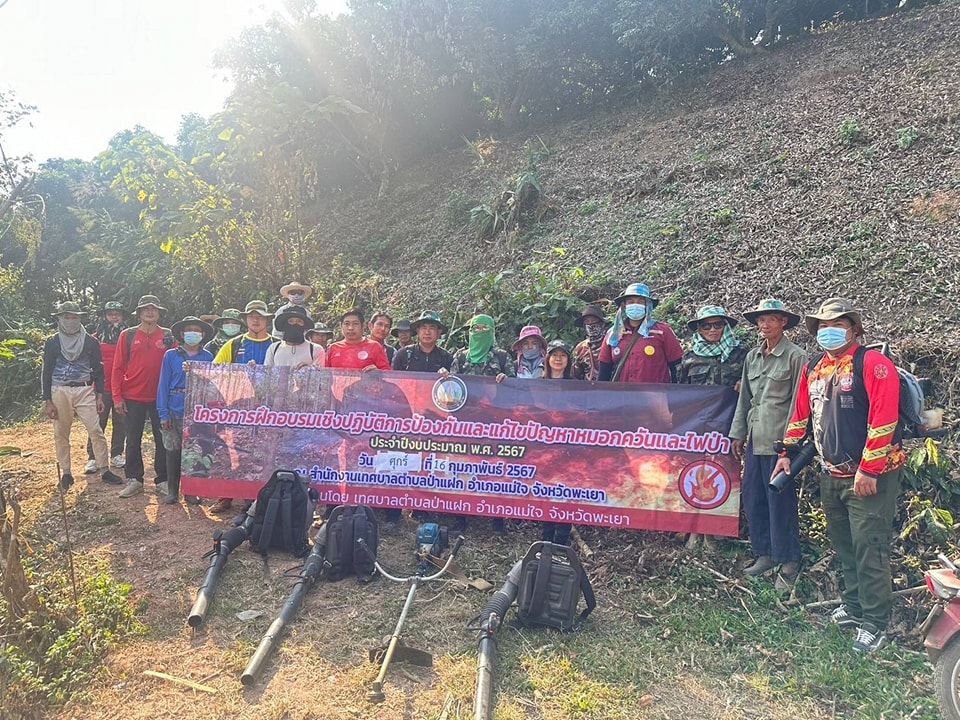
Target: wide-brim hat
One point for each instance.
(591, 311)
(305, 289)
(291, 311)
(230, 315)
(68, 307)
(637, 290)
(401, 326)
(177, 329)
(209, 317)
(832, 309)
(322, 329)
(259, 307)
(528, 331)
(149, 301)
(771, 306)
(711, 311)
(428, 316)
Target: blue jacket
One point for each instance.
(173, 381)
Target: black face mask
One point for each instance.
(293, 334)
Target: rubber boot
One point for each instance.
(173, 493)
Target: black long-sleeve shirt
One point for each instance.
(90, 355)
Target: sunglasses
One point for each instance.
(716, 325)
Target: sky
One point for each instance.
(96, 67)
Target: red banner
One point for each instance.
(652, 457)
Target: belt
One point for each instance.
(86, 384)
(178, 391)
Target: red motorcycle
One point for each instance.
(941, 636)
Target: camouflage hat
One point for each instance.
(558, 345)
(833, 309)
(711, 311)
(771, 306)
(429, 316)
(111, 306)
(149, 301)
(259, 307)
(230, 315)
(69, 307)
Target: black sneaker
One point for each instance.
(869, 638)
(843, 619)
(66, 481)
(111, 478)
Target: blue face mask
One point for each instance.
(635, 312)
(192, 338)
(831, 338)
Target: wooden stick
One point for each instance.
(723, 577)
(584, 549)
(837, 601)
(180, 681)
(66, 531)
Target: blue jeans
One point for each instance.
(772, 518)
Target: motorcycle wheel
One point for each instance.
(946, 680)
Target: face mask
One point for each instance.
(531, 354)
(293, 334)
(635, 312)
(831, 338)
(230, 329)
(296, 298)
(191, 338)
(594, 332)
(70, 327)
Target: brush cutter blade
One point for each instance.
(403, 653)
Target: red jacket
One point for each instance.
(136, 377)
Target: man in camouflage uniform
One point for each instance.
(717, 356)
(586, 354)
(482, 356)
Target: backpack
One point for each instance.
(346, 525)
(550, 583)
(283, 513)
(911, 390)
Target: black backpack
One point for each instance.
(551, 580)
(346, 525)
(283, 513)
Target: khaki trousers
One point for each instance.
(82, 402)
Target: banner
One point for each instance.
(652, 457)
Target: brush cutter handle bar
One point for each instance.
(446, 566)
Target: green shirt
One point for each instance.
(768, 388)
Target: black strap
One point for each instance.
(540, 583)
(623, 360)
(587, 589)
(286, 518)
(269, 521)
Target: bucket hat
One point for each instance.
(112, 306)
(282, 319)
(294, 286)
(69, 307)
(771, 306)
(322, 329)
(148, 301)
(528, 331)
(711, 311)
(177, 329)
(259, 307)
(230, 315)
(591, 311)
(401, 326)
(209, 317)
(429, 316)
(636, 290)
(831, 309)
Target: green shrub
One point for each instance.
(850, 132)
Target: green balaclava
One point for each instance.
(480, 342)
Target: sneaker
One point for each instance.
(90, 468)
(759, 567)
(117, 461)
(163, 488)
(869, 638)
(133, 487)
(842, 619)
(66, 481)
(192, 499)
(111, 478)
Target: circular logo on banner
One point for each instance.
(704, 485)
(449, 394)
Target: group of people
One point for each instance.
(845, 400)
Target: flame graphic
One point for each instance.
(705, 490)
